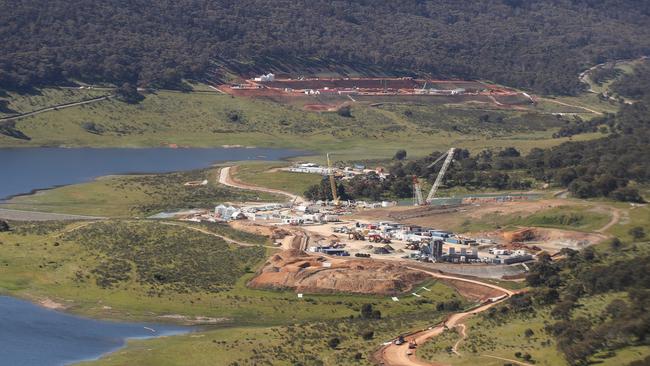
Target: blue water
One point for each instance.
(26, 169)
(34, 336)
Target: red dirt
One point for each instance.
(301, 272)
(473, 291)
(319, 107)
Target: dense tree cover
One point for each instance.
(601, 167)
(635, 85)
(541, 45)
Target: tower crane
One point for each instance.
(330, 172)
(418, 200)
(449, 157)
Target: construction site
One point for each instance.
(403, 233)
(325, 94)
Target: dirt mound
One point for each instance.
(473, 291)
(525, 234)
(318, 274)
(550, 240)
(270, 231)
(319, 107)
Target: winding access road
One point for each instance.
(56, 107)
(225, 178)
(400, 355)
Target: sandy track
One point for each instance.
(225, 238)
(226, 179)
(21, 215)
(616, 217)
(398, 355)
(56, 107)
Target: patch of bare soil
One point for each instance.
(253, 228)
(194, 320)
(51, 304)
(537, 239)
(472, 291)
(450, 217)
(294, 269)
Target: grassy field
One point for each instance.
(212, 119)
(299, 344)
(524, 333)
(136, 195)
(575, 215)
(164, 275)
(147, 271)
(46, 97)
(566, 217)
(501, 339)
(267, 175)
(624, 67)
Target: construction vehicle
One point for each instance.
(375, 238)
(356, 235)
(417, 188)
(412, 344)
(330, 172)
(399, 341)
(413, 246)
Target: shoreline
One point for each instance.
(4, 200)
(156, 329)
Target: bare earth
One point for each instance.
(302, 272)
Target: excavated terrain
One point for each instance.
(294, 269)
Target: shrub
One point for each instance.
(333, 342)
(636, 232)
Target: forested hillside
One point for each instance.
(540, 45)
(612, 166)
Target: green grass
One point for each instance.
(299, 344)
(576, 215)
(267, 175)
(211, 119)
(36, 262)
(566, 217)
(136, 195)
(494, 334)
(47, 97)
(632, 216)
(495, 338)
(625, 67)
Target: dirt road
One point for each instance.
(401, 355)
(223, 237)
(616, 216)
(589, 110)
(21, 215)
(55, 107)
(226, 179)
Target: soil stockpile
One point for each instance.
(305, 273)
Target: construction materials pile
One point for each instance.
(303, 273)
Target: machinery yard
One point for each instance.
(314, 233)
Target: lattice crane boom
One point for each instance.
(441, 173)
(330, 172)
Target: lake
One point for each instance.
(26, 169)
(31, 335)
